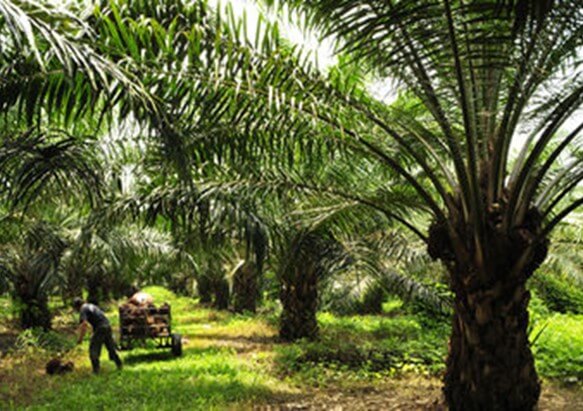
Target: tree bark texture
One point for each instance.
(245, 288)
(299, 297)
(490, 365)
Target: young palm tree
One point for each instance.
(30, 266)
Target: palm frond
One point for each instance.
(34, 161)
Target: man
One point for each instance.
(90, 313)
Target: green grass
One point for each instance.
(207, 376)
(366, 348)
(236, 360)
(201, 379)
(558, 350)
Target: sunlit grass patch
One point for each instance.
(200, 379)
(558, 349)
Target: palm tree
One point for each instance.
(34, 163)
(488, 73)
(52, 71)
(484, 73)
(30, 265)
(307, 255)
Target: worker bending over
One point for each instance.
(90, 313)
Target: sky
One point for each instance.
(322, 50)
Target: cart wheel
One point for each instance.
(176, 345)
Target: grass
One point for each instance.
(201, 379)
(207, 376)
(235, 360)
(365, 348)
(559, 349)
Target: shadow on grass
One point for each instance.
(253, 339)
(164, 354)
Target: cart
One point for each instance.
(137, 324)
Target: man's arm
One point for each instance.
(82, 330)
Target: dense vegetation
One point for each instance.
(301, 226)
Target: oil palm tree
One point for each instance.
(488, 73)
(30, 264)
(485, 73)
(51, 68)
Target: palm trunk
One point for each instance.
(203, 286)
(490, 365)
(221, 294)
(95, 291)
(245, 288)
(34, 313)
(299, 297)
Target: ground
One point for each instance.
(233, 362)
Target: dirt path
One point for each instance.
(404, 395)
(395, 394)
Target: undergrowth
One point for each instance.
(237, 359)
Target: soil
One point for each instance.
(407, 393)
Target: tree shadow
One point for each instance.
(164, 354)
(252, 339)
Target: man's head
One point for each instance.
(77, 303)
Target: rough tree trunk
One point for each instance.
(490, 365)
(245, 288)
(299, 298)
(34, 313)
(203, 286)
(221, 293)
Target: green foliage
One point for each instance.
(558, 351)
(537, 309)
(559, 294)
(366, 347)
(37, 338)
(233, 360)
(405, 339)
(224, 100)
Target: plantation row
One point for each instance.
(435, 157)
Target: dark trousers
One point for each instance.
(102, 336)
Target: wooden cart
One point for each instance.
(138, 324)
